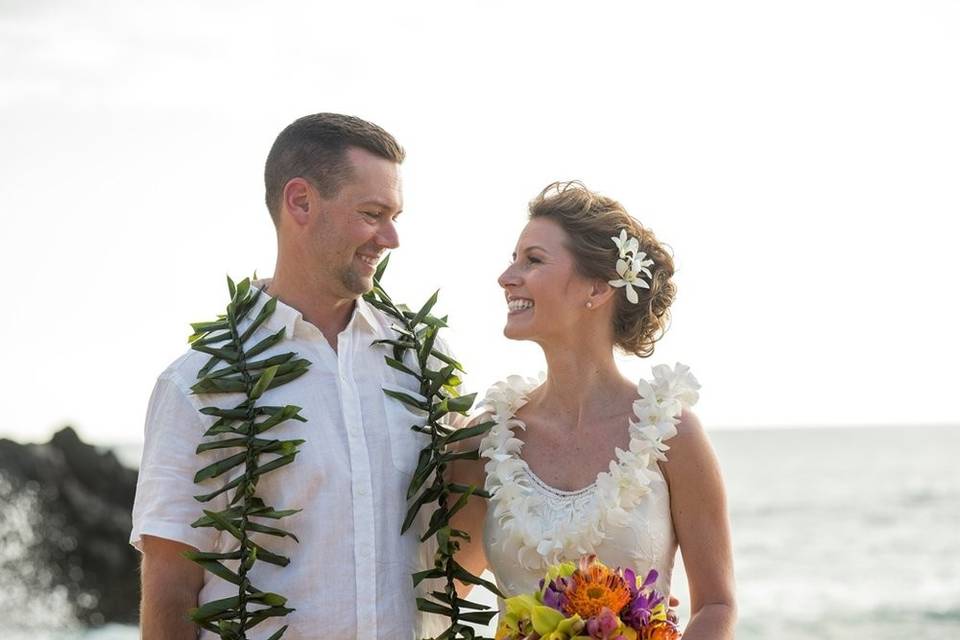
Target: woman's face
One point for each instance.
(546, 297)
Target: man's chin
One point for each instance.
(366, 284)
(357, 284)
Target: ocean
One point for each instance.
(849, 533)
(839, 533)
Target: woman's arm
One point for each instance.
(470, 519)
(698, 505)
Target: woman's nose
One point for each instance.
(507, 278)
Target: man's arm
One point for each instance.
(470, 519)
(163, 509)
(170, 585)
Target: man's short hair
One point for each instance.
(315, 147)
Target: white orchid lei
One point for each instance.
(630, 265)
(519, 509)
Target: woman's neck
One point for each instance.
(583, 383)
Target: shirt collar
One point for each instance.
(366, 313)
(287, 317)
(283, 316)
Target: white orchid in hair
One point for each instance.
(628, 245)
(631, 266)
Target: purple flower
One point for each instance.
(650, 579)
(631, 579)
(644, 600)
(554, 595)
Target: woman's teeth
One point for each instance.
(519, 305)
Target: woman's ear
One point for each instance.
(600, 294)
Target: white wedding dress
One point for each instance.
(623, 517)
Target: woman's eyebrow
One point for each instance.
(538, 247)
(533, 247)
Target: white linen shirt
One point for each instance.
(349, 576)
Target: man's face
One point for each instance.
(355, 227)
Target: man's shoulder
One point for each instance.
(385, 323)
(182, 372)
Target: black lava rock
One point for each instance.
(65, 518)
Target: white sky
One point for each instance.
(802, 159)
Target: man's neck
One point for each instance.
(328, 313)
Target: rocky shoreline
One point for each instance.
(64, 525)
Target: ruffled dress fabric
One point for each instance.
(623, 517)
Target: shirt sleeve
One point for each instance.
(164, 505)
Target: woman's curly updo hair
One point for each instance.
(590, 220)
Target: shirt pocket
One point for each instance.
(405, 443)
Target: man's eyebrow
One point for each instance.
(383, 204)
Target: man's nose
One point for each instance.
(388, 236)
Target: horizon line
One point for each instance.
(719, 427)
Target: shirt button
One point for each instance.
(362, 491)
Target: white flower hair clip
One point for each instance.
(631, 264)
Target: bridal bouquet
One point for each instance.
(589, 601)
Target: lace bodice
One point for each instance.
(623, 517)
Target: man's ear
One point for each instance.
(299, 201)
(600, 293)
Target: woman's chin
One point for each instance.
(513, 332)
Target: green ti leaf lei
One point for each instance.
(232, 368)
(416, 334)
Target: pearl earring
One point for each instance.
(589, 305)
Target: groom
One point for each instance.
(333, 190)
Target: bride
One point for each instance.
(588, 461)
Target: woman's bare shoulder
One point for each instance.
(690, 453)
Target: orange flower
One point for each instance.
(660, 632)
(592, 587)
